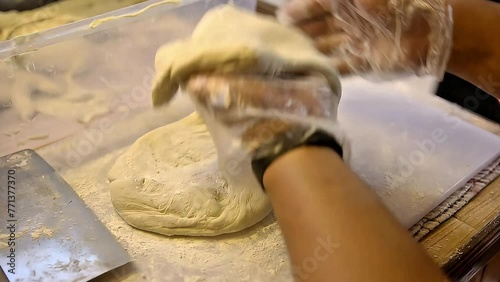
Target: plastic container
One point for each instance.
(64, 81)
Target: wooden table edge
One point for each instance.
(476, 253)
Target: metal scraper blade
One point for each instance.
(47, 233)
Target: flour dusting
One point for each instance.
(254, 254)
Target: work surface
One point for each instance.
(413, 156)
(467, 240)
(257, 253)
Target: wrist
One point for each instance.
(264, 157)
(296, 163)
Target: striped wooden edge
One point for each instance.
(456, 201)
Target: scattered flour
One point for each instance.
(254, 254)
(43, 232)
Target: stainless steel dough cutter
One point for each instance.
(47, 233)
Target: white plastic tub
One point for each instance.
(62, 81)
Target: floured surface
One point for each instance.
(259, 253)
(168, 182)
(412, 155)
(254, 254)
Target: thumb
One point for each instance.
(372, 6)
(348, 64)
(329, 43)
(294, 11)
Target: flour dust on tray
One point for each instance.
(168, 182)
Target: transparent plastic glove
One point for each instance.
(380, 37)
(315, 18)
(253, 117)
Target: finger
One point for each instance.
(373, 6)
(234, 93)
(296, 95)
(415, 41)
(299, 10)
(319, 27)
(327, 44)
(226, 92)
(342, 66)
(197, 87)
(315, 28)
(264, 131)
(348, 64)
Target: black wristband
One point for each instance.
(318, 138)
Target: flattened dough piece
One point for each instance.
(228, 40)
(168, 182)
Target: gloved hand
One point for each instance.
(315, 18)
(377, 37)
(254, 119)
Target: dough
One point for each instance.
(230, 40)
(98, 22)
(168, 182)
(14, 24)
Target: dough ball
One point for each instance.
(168, 182)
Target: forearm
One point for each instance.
(335, 227)
(475, 55)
